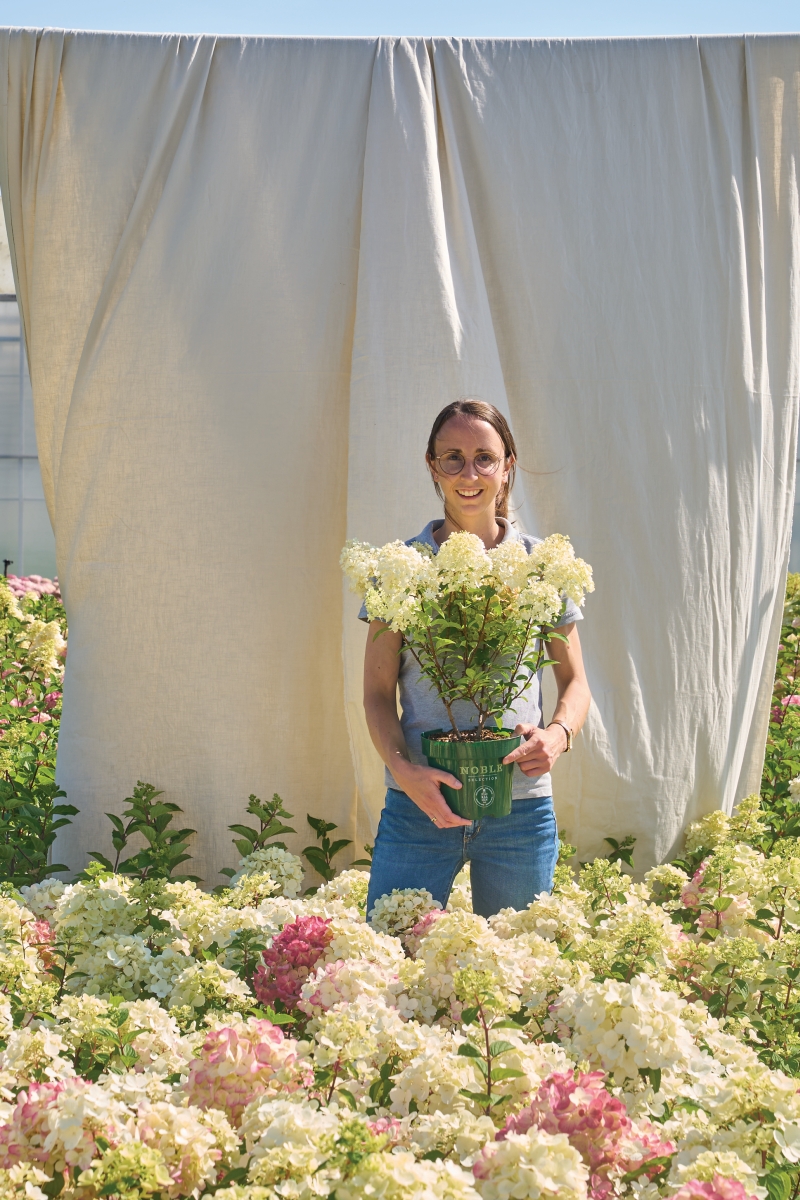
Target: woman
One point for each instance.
(421, 842)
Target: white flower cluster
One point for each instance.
(395, 579)
(413, 1055)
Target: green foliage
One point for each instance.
(485, 1009)
(782, 758)
(472, 647)
(31, 666)
(151, 818)
(321, 857)
(270, 817)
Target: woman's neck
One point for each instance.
(487, 528)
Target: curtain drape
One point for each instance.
(251, 271)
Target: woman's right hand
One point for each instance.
(421, 784)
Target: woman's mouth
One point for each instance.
(468, 493)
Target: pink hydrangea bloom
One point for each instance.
(290, 960)
(39, 934)
(693, 890)
(390, 1126)
(55, 1125)
(596, 1123)
(20, 585)
(412, 939)
(719, 1189)
(236, 1065)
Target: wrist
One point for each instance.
(401, 767)
(567, 734)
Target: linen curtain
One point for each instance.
(251, 271)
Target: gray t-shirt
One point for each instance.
(421, 708)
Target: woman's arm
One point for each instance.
(541, 747)
(420, 783)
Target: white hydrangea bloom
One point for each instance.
(87, 911)
(463, 562)
(560, 918)
(159, 1045)
(400, 1176)
(401, 909)
(625, 1027)
(362, 1033)
(192, 1145)
(434, 1077)
(697, 1163)
(350, 887)
(268, 1122)
(22, 1182)
(344, 981)
(209, 981)
(534, 1164)
(354, 939)
(33, 1054)
(710, 831)
(42, 898)
(163, 969)
(285, 868)
(461, 1131)
(461, 891)
(114, 965)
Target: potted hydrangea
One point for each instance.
(476, 621)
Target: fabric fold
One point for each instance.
(251, 272)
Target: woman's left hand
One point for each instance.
(539, 748)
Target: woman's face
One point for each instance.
(469, 494)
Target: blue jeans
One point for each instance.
(512, 858)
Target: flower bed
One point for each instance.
(615, 1038)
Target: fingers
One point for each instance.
(444, 818)
(446, 777)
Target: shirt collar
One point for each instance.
(427, 538)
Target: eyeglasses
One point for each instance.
(453, 462)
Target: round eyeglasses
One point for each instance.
(452, 462)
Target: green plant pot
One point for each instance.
(487, 782)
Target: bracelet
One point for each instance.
(567, 731)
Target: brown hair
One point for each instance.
(481, 411)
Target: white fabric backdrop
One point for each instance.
(251, 272)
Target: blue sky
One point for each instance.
(461, 18)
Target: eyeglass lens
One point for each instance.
(452, 463)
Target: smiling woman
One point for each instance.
(421, 841)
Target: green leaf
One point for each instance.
(497, 1048)
(778, 1184)
(467, 1050)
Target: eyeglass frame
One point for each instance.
(483, 474)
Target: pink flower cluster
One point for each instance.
(290, 959)
(695, 893)
(39, 934)
(20, 585)
(234, 1066)
(32, 1133)
(719, 1189)
(412, 939)
(597, 1125)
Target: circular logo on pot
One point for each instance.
(484, 796)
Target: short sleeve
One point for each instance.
(362, 613)
(571, 613)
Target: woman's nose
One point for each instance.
(468, 471)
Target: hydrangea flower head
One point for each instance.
(718, 1188)
(402, 909)
(596, 1123)
(288, 962)
(234, 1065)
